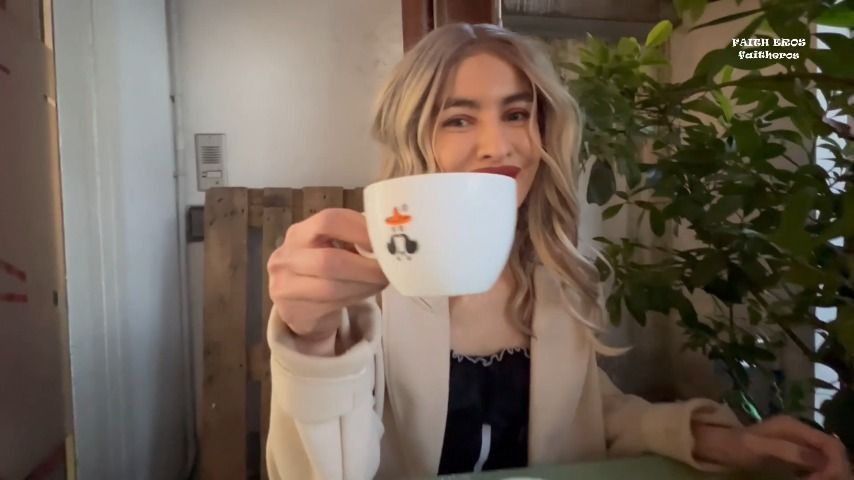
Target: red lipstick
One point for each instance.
(505, 170)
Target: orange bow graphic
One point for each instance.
(398, 219)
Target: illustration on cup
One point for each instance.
(399, 244)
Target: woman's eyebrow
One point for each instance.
(518, 97)
(475, 105)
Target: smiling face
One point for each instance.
(487, 122)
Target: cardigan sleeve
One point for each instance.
(324, 421)
(634, 426)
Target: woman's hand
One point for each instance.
(311, 280)
(779, 443)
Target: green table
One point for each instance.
(641, 468)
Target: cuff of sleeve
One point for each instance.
(315, 389)
(667, 428)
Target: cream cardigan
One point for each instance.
(378, 410)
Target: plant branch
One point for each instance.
(764, 79)
(798, 342)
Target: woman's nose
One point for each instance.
(492, 141)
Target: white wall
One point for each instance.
(290, 83)
(121, 229)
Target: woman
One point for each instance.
(507, 378)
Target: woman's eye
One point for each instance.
(456, 122)
(519, 115)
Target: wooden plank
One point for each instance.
(256, 207)
(259, 361)
(296, 210)
(279, 197)
(278, 216)
(315, 199)
(353, 199)
(224, 429)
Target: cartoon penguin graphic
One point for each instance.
(400, 245)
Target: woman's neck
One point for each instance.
(482, 324)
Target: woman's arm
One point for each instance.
(634, 426)
(708, 436)
(323, 423)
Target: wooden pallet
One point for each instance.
(242, 228)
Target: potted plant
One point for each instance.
(773, 234)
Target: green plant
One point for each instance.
(734, 149)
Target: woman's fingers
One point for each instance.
(333, 264)
(770, 450)
(310, 281)
(341, 224)
(312, 320)
(836, 463)
(313, 289)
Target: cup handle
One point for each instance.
(364, 253)
(360, 250)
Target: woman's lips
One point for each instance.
(503, 170)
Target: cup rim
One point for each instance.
(481, 175)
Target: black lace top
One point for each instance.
(487, 424)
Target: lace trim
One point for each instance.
(488, 360)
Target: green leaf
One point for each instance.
(656, 222)
(787, 25)
(703, 105)
(628, 47)
(745, 95)
(839, 43)
(790, 235)
(725, 104)
(636, 304)
(614, 305)
(693, 7)
(612, 211)
(711, 63)
(839, 15)
(805, 275)
(788, 135)
(659, 33)
(723, 208)
(747, 139)
(768, 151)
(751, 27)
(722, 289)
(653, 56)
(843, 326)
(726, 73)
(708, 268)
(602, 185)
(839, 416)
(572, 67)
(844, 225)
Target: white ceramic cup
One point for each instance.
(442, 234)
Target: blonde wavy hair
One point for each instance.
(404, 124)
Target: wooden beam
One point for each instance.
(278, 216)
(467, 11)
(422, 16)
(224, 430)
(417, 21)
